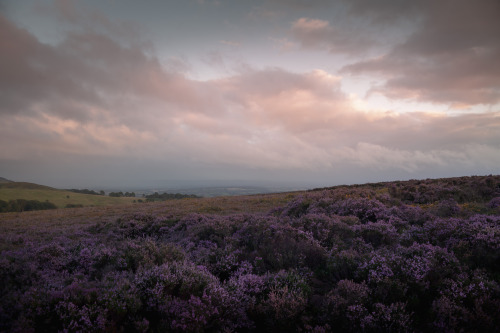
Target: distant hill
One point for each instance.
(5, 180)
(61, 198)
(25, 186)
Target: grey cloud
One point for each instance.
(299, 4)
(86, 71)
(383, 12)
(320, 34)
(453, 58)
(125, 104)
(79, 18)
(31, 72)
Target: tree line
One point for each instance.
(101, 192)
(121, 194)
(87, 191)
(167, 196)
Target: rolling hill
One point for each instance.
(4, 180)
(61, 198)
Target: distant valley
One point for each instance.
(17, 193)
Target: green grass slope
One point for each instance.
(61, 198)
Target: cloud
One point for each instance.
(386, 12)
(298, 4)
(294, 102)
(92, 97)
(213, 3)
(319, 34)
(283, 44)
(230, 43)
(452, 58)
(86, 71)
(80, 18)
(381, 157)
(273, 10)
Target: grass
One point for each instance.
(60, 198)
(57, 221)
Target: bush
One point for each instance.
(391, 257)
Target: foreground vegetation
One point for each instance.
(389, 257)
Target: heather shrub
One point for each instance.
(349, 292)
(386, 318)
(148, 253)
(296, 208)
(179, 279)
(414, 215)
(365, 209)
(319, 226)
(469, 302)
(177, 295)
(122, 302)
(285, 305)
(279, 245)
(494, 203)
(378, 233)
(343, 264)
(415, 256)
(284, 299)
(53, 255)
(137, 226)
(208, 228)
(447, 208)
(350, 309)
(52, 307)
(81, 318)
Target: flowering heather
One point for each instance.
(421, 255)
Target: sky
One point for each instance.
(291, 92)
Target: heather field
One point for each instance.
(409, 256)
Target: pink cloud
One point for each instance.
(93, 96)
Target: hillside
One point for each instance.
(61, 198)
(403, 256)
(4, 180)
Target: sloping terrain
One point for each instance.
(4, 180)
(61, 198)
(412, 256)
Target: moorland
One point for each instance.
(402, 256)
(14, 191)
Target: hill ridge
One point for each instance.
(26, 186)
(5, 180)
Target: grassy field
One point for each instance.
(61, 198)
(44, 222)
